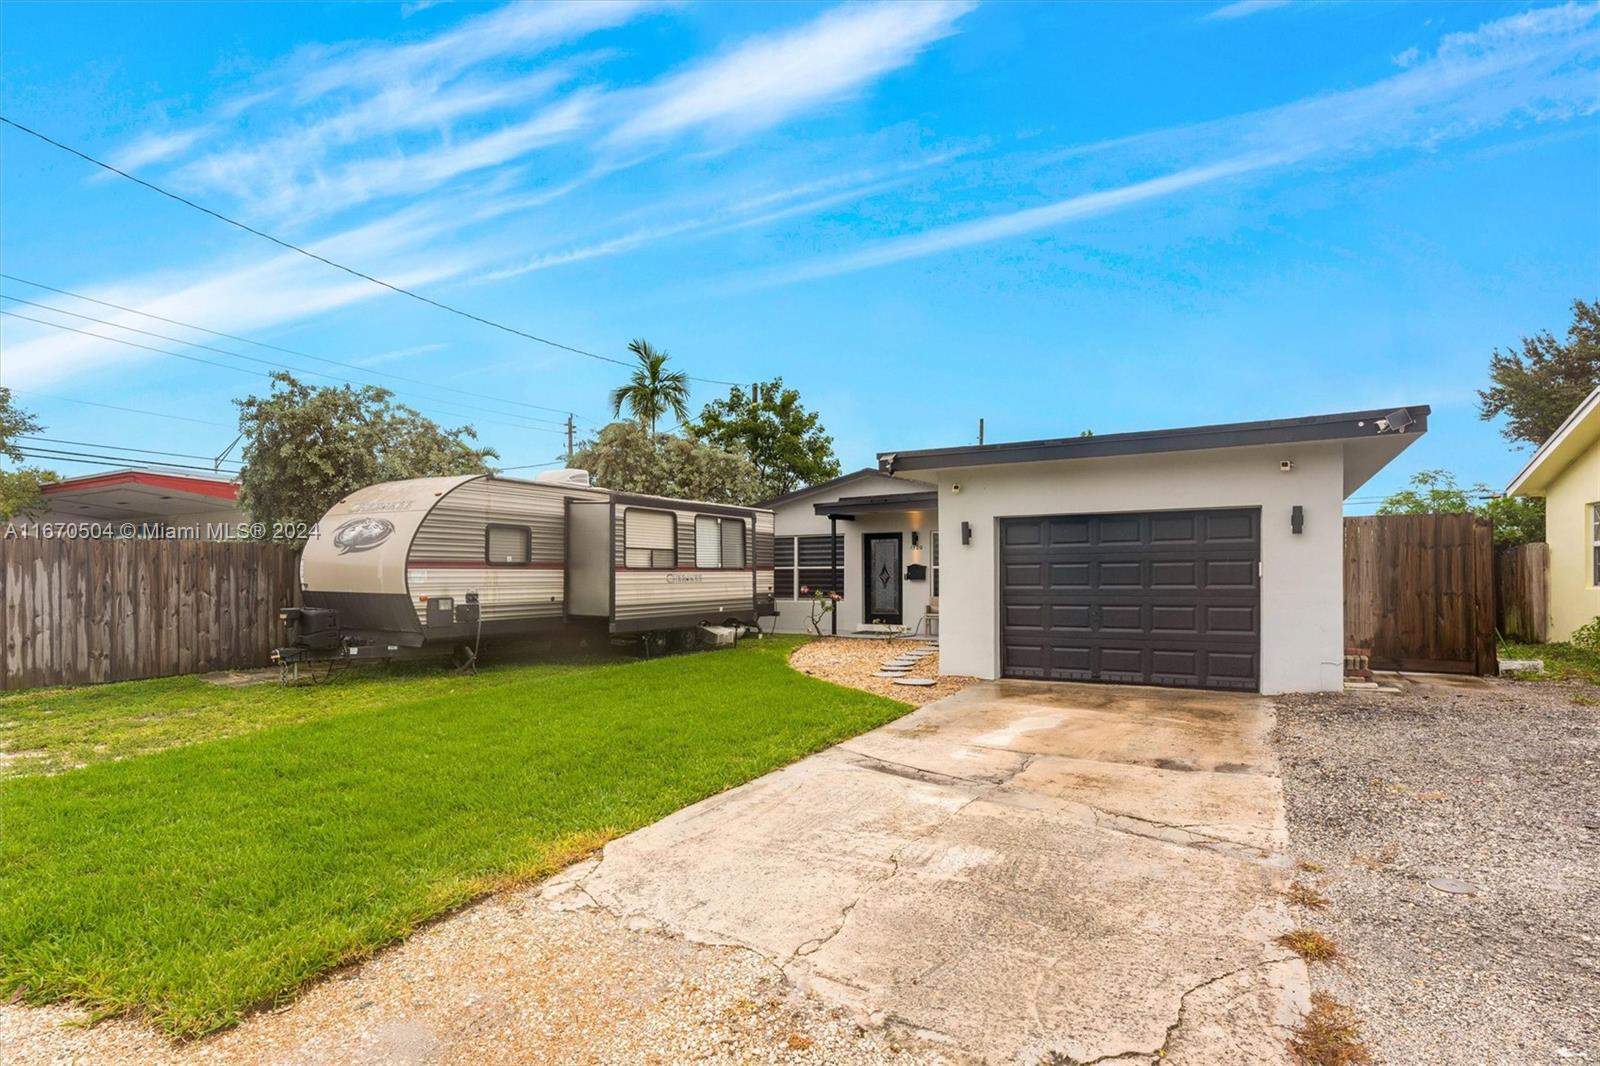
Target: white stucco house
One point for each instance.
(1208, 557)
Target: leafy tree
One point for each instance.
(786, 442)
(307, 446)
(1517, 519)
(1432, 492)
(652, 390)
(21, 494)
(22, 491)
(625, 457)
(1539, 386)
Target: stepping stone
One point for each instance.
(919, 682)
(1453, 885)
(891, 669)
(898, 676)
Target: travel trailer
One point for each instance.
(435, 564)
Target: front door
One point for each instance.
(883, 602)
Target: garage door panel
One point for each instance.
(1024, 616)
(1022, 534)
(1119, 575)
(1169, 619)
(1069, 617)
(1122, 617)
(1067, 532)
(1023, 576)
(1240, 619)
(1167, 598)
(1169, 529)
(1229, 573)
(1069, 575)
(1174, 574)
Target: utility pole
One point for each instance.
(569, 440)
(980, 432)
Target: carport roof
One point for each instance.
(846, 506)
(1346, 426)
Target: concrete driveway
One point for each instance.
(1021, 872)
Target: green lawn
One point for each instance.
(1562, 662)
(199, 881)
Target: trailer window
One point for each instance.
(507, 545)
(733, 543)
(707, 543)
(649, 539)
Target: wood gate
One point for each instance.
(1419, 591)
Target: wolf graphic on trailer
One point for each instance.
(434, 564)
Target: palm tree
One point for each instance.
(652, 390)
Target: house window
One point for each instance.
(507, 545)
(649, 539)
(718, 543)
(933, 562)
(1594, 540)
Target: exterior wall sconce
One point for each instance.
(966, 533)
(1297, 519)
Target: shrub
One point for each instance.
(1587, 636)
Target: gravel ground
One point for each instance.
(1493, 783)
(513, 979)
(852, 662)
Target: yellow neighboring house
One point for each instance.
(1566, 472)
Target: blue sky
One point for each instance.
(1052, 217)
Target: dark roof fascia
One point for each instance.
(893, 501)
(778, 501)
(1350, 425)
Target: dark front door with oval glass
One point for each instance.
(883, 571)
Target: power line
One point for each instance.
(125, 448)
(56, 456)
(250, 358)
(223, 366)
(129, 410)
(273, 347)
(219, 216)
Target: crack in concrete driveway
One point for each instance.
(1013, 871)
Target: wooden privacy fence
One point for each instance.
(1419, 591)
(1522, 584)
(82, 610)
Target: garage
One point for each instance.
(1153, 598)
(1205, 556)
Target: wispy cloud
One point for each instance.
(1244, 8)
(1533, 67)
(151, 148)
(397, 354)
(242, 297)
(747, 213)
(764, 81)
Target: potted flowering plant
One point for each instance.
(822, 603)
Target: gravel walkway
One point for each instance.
(1493, 783)
(847, 661)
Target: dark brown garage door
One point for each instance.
(1164, 598)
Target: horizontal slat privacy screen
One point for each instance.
(815, 569)
(648, 539)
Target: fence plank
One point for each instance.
(1522, 583)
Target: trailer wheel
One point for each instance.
(685, 640)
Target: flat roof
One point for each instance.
(1349, 425)
(888, 501)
